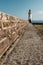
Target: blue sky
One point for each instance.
(19, 8)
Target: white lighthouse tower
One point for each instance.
(30, 16)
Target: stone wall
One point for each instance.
(11, 28)
(8, 20)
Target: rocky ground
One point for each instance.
(28, 51)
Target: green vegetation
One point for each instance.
(40, 28)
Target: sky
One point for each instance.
(20, 8)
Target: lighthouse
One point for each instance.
(30, 16)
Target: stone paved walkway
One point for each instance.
(29, 50)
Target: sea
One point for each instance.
(37, 21)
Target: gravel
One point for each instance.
(28, 51)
